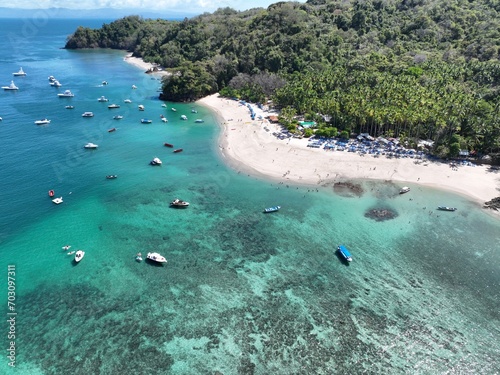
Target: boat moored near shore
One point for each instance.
(272, 209)
(446, 208)
(404, 189)
(179, 203)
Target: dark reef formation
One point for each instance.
(381, 214)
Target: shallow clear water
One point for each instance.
(243, 292)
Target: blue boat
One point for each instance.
(271, 209)
(345, 253)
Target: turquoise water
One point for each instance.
(242, 292)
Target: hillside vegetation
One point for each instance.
(415, 69)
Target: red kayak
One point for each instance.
(51, 193)
(168, 145)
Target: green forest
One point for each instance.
(413, 69)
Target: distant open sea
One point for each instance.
(243, 292)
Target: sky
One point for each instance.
(191, 6)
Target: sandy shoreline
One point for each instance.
(249, 145)
(246, 145)
(140, 63)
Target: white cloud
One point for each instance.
(186, 5)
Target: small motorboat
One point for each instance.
(104, 83)
(55, 83)
(11, 87)
(164, 119)
(19, 73)
(52, 78)
(71, 252)
(146, 121)
(194, 111)
(138, 257)
(117, 117)
(57, 200)
(404, 189)
(155, 257)
(42, 122)
(179, 203)
(168, 145)
(66, 94)
(271, 209)
(51, 193)
(102, 99)
(113, 106)
(199, 120)
(164, 105)
(184, 117)
(111, 130)
(177, 150)
(140, 107)
(446, 208)
(173, 109)
(111, 176)
(88, 114)
(91, 146)
(155, 161)
(79, 255)
(127, 101)
(70, 107)
(344, 253)
(134, 87)
(67, 247)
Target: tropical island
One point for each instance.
(407, 70)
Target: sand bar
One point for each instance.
(249, 145)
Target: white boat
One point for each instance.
(146, 121)
(446, 208)
(164, 119)
(155, 257)
(112, 106)
(102, 99)
(12, 86)
(42, 121)
(127, 101)
(138, 257)
(91, 146)
(184, 117)
(20, 72)
(134, 86)
(155, 161)
(66, 94)
(57, 200)
(88, 114)
(199, 120)
(55, 83)
(194, 111)
(104, 83)
(179, 203)
(404, 189)
(117, 117)
(67, 247)
(140, 107)
(52, 78)
(79, 255)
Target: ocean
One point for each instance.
(243, 292)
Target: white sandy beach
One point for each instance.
(140, 63)
(248, 146)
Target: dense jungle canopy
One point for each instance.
(414, 69)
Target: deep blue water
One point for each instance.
(242, 292)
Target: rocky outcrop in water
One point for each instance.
(381, 214)
(348, 189)
(494, 204)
